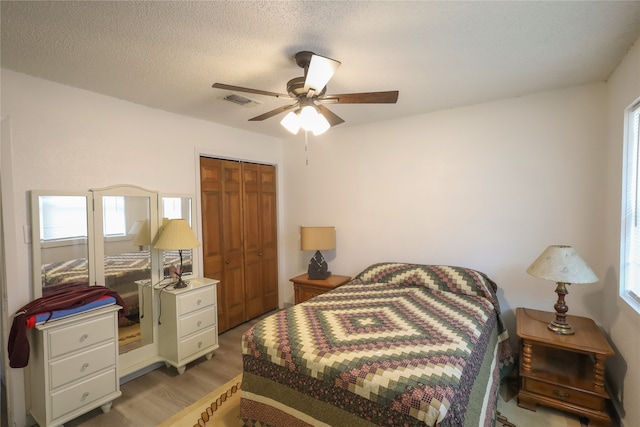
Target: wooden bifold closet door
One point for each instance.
(239, 229)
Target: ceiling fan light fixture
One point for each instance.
(320, 71)
(321, 125)
(291, 122)
(308, 117)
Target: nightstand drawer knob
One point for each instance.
(560, 394)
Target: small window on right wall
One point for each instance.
(630, 233)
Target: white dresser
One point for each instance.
(188, 322)
(73, 366)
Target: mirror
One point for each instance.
(60, 239)
(177, 207)
(125, 226)
(106, 236)
(108, 245)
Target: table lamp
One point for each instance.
(177, 235)
(317, 239)
(142, 234)
(563, 265)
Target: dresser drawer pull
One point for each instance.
(199, 301)
(84, 395)
(84, 366)
(199, 344)
(199, 323)
(561, 394)
(84, 337)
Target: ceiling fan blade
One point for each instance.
(331, 117)
(320, 71)
(389, 97)
(274, 112)
(248, 90)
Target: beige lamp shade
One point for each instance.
(561, 263)
(317, 238)
(142, 233)
(177, 235)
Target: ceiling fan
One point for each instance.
(309, 92)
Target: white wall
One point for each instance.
(487, 186)
(619, 320)
(68, 139)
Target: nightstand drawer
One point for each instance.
(196, 300)
(307, 294)
(198, 343)
(564, 394)
(197, 321)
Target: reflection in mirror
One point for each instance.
(177, 207)
(126, 230)
(61, 249)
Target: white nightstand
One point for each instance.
(188, 322)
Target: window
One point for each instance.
(63, 218)
(630, 241)
(115, 223)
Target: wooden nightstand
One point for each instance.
(306, 289)
(565, 372)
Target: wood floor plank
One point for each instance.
(148, 400)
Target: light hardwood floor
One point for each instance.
(148, 400)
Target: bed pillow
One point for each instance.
(440, 277)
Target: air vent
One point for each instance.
(241, 100)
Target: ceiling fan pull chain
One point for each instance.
(306, 147)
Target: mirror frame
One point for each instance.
(36, 245)
(193, 222)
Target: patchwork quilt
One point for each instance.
(401, 344)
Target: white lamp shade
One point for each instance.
(321, 69)
(291, 122)
(177, 235)
(321, 125)
(317, 238)
(561, 263)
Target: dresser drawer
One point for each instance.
(197, 321)
(81, 365)
(82, 335)
(196, 300)
(198, 342)
(82, 394)
(565, 394)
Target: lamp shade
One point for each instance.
(317, 238)
(561, 263)
(177, 235)
(320, 71)
(142, 233)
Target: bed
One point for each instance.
(400, 344)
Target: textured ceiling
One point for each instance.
(439, 55)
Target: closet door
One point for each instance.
(239, 237)
(260, 243)
(222, 236)
(233, 250)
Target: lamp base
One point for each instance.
(561, 328)
(180, 284)
(318, 268)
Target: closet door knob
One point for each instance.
(227, 262)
